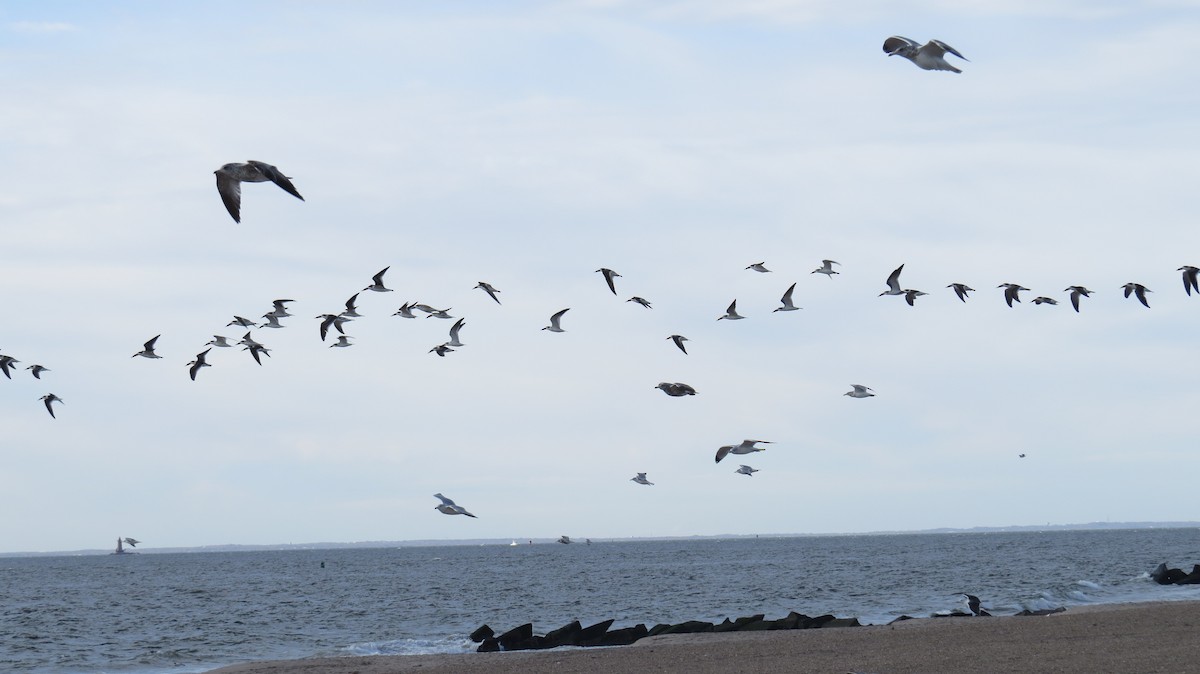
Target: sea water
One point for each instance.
(190, 612)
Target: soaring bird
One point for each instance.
(131, 542)
(231, 176)
(786, 300)
(334, 320)
(608, 278)
(961, 289)
(377, 282)
(219, 340)
(257, 350)
(50, 398)
(454, 329)
(676, 390)
(449, 507)
(405, 311)
(342, 342)
(242, 322)
(746, 470)
(272, 321)
(679, 340)
(731, 313)
(928, 56)
(442, 349)
(37, 370)
(487, 288)
(893, 283)
(1045, 300)
(642, 301)
(1191, 275)
(641, 479)
(1010, 292)
(826, 268)
(1076, 292)
(745, 447)
(148, 351)
(279, 309)
(859, 391)
(1138, 290)
(352, 307)
(7, 362)
(556, 320)
(195, 365)
(759, 267)
(911, 295)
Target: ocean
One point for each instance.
(191, 612)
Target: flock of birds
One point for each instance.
(229, 179)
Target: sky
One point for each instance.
(528, 144)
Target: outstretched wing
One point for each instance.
(276, 176)
(897, 44)
(939, 48)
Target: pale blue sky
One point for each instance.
(531, 143)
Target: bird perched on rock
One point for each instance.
(928, 56)
(231, 176)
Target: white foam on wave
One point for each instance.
(438, 646)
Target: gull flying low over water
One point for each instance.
(1045, 300)
(454, 329)
(442, 349)
(449, 507)
(746, 447)
(893, 283)
(759, 267)
(676, 390)
(826, 268)
(1011, 291)
(37, 370)
(1076, 292)
(487, 288)
(928, 56)
(731, 313)
(195, 365)
(786, 300)
(961, 289)
(642, 301)
(231, 176)
(1139, 291)
(746, 470)
(641, 479)
(679, 340)
(148, 350)
(50, 398)
(377, 282)
(556, 320)
(859, 391)
(608, 278)
(1191, 276)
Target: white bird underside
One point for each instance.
(928, 56)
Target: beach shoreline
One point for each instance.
(1128, 638)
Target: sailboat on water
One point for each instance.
(131, 542)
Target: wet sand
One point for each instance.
(1127, 638)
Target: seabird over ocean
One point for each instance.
(148, 350)
(731, 313)
(1139, 291)
(893, 283)
(195, 365)
(487, 288)
(679, 340)
(676, 389)
(961, 289)
(1011, 291)
(746, 470)
(377, 282)
(973, 604)
(759, 267)
(928, 56)
(50, 398)
(1191, 275)
(640, 478)
(556, 320)
(745, 447)
(642, 301)
(608, 278)
(449, 507)
(859, 391)
(786, 300)
(37, 370)
(231, 176)
(1076, 292)
(826, 268)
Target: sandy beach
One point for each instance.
(1126, 638)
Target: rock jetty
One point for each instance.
(1164, 576)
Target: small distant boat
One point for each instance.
(131, 542)
(564, 539)
(513, 544)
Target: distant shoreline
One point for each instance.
(421, 543)
(1128, 638)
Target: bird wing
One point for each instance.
(150, 344)
(893, 279)
(787, 296)
(230, 190)
(444, 500)
(939, 48)
(896, 43)
(277, 177)
(723, 452)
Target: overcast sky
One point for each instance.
(528, 144)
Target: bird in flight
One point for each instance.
(731, 313)
(195, 365)
(826, 268)
(608, 278)
(961, 289)
(786, 300)
(487, 288)
(1076, 293)
(449, 507)
(745, 447)
(231, 176)
(676, 390)
(1191, 277)
(1139, 291)
(377, 282)
(859, 391)
(928, 56)
(50, 398)
(556, 320)
(893, 283)
(641, 479)
(759, 267)
(1010, 292)
(148, 350)
(679, 340)
(746, 470)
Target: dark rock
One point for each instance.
(842, 622)
(489, 645)
(818, 621)
(1192, 578)
(1164, 576)
(518, 638)
(725, 625)
(624, 636)
(689, 627)
(1042, 611)
(793, 621)
(763, 625)
(591, 635)
(738, 624)
(901, 618)
(484, 632)
(567, 635)
(658, 629)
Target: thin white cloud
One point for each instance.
(42, 27)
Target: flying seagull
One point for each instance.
(454, 329)
(641, 479)
(642, 301)
(1190, 277)
(1045, 300)
(746, 470)
(352, 307)
(342, 342)
(195, 365)
(731, 313)
(759, 267)
(911, 295)
(449, 507)
(961, 289)
(826, 268)
(377, 282)
(132, 542)
(279, 309)
(928, 56)
(746, 447)
(487, 288)
(334, 320)
(231, 176)
(272, 321)
(148, 351)
(1011, 291)
(218, 340)
(37, 370)
(405, 311)
(1138, 290)
(893, 283)
(859, 391)
(256, 349)
(608, 278)
(679, 340)
(242, 322)
(555, 321)
(676, 390)
(1076, 292)
(786, 300)
(50, 398)
(5, 363)
(442, 349)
